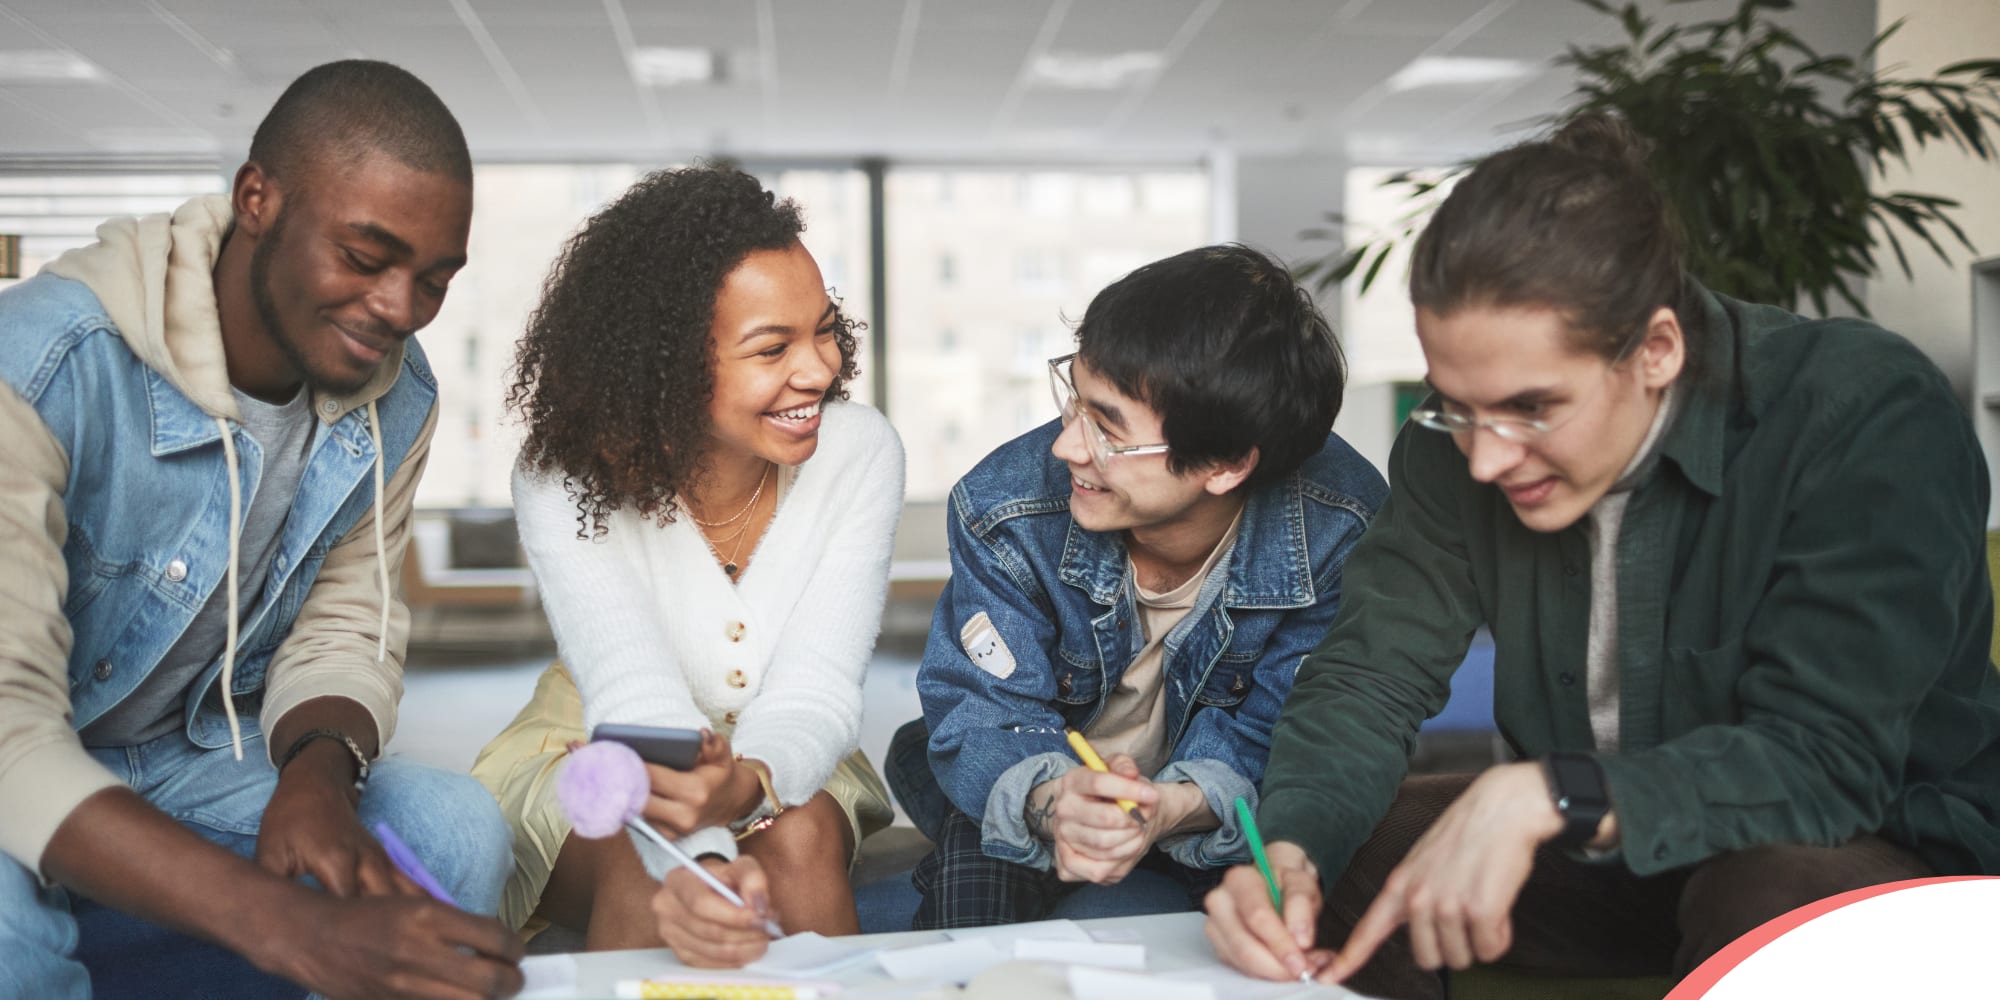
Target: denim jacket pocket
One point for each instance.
(1079, 681)
(1229, 682)
(88, 573)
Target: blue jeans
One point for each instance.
(449, 820)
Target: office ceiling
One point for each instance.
(906, 79)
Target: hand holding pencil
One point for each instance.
(1263, 920)
(1088, 754)
(1098, 820)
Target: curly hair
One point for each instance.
(615, 373)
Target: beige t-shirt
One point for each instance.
(1134, 720)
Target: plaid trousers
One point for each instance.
(963, 886)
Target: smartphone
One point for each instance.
(662, 745)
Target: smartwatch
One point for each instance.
(1576, 781)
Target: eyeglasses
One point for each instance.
(1520, 430)
(1063, 387)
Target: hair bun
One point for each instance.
(1601, 136)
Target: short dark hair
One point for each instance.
(1571, 222)
(342, 111)
(625, 321)
(1228, 349)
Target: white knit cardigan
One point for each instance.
(654, 632)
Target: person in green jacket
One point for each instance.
(1733, 563)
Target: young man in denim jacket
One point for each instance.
(211, 428)
(1148, 571)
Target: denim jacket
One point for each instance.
(115, 519)
(1060, 600)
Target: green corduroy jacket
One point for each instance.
(1804, 614)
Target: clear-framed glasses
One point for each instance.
(1063, 387)
(1520, 430)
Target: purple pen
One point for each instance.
(406, 862)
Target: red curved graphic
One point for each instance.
(1707, 974)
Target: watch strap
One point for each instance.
(1576, 783)
(767, 810)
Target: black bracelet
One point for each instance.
(360, 759)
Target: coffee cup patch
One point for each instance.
(982, 643)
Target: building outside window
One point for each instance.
(54, 212)
(1031, 247)
(526, 212)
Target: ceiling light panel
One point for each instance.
(1460, 71)
(675, 66)
(1090, 71)
(46, 66)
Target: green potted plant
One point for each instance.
(1764, 148)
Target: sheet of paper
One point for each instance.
(548, 976)
(1039, 930)
(1116, 935)
(807, 954)
(952, 961)
(1237, 986)
(1109, 956)
(1091, 983)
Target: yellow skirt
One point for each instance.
(519, 767)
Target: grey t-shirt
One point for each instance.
(284, 433)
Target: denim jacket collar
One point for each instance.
(1273, 526)
(178, 424)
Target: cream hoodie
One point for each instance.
(154, 277)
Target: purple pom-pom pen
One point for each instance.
(603, 788)
(406, 861)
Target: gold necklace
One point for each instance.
(733, 518)
(730, 567)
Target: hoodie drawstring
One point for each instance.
(381, 552)
(236, 544)
(229, 613)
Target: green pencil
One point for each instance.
(1256, 839)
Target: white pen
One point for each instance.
(673, 850)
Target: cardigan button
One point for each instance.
(729, 718)
(737, 680)
(734, 631)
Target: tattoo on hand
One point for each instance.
(1041, 816)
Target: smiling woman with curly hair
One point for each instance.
(709, 522)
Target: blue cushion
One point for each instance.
(1470, 709)
(130, 957)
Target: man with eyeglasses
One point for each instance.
(1147, 570)
(1733, 561)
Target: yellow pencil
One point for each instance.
(1091, 760)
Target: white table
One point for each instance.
(1174, 942)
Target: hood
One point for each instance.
(155, 277)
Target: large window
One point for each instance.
(54, 212)
(1379, 328)
(523, 215)
(988, 270)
